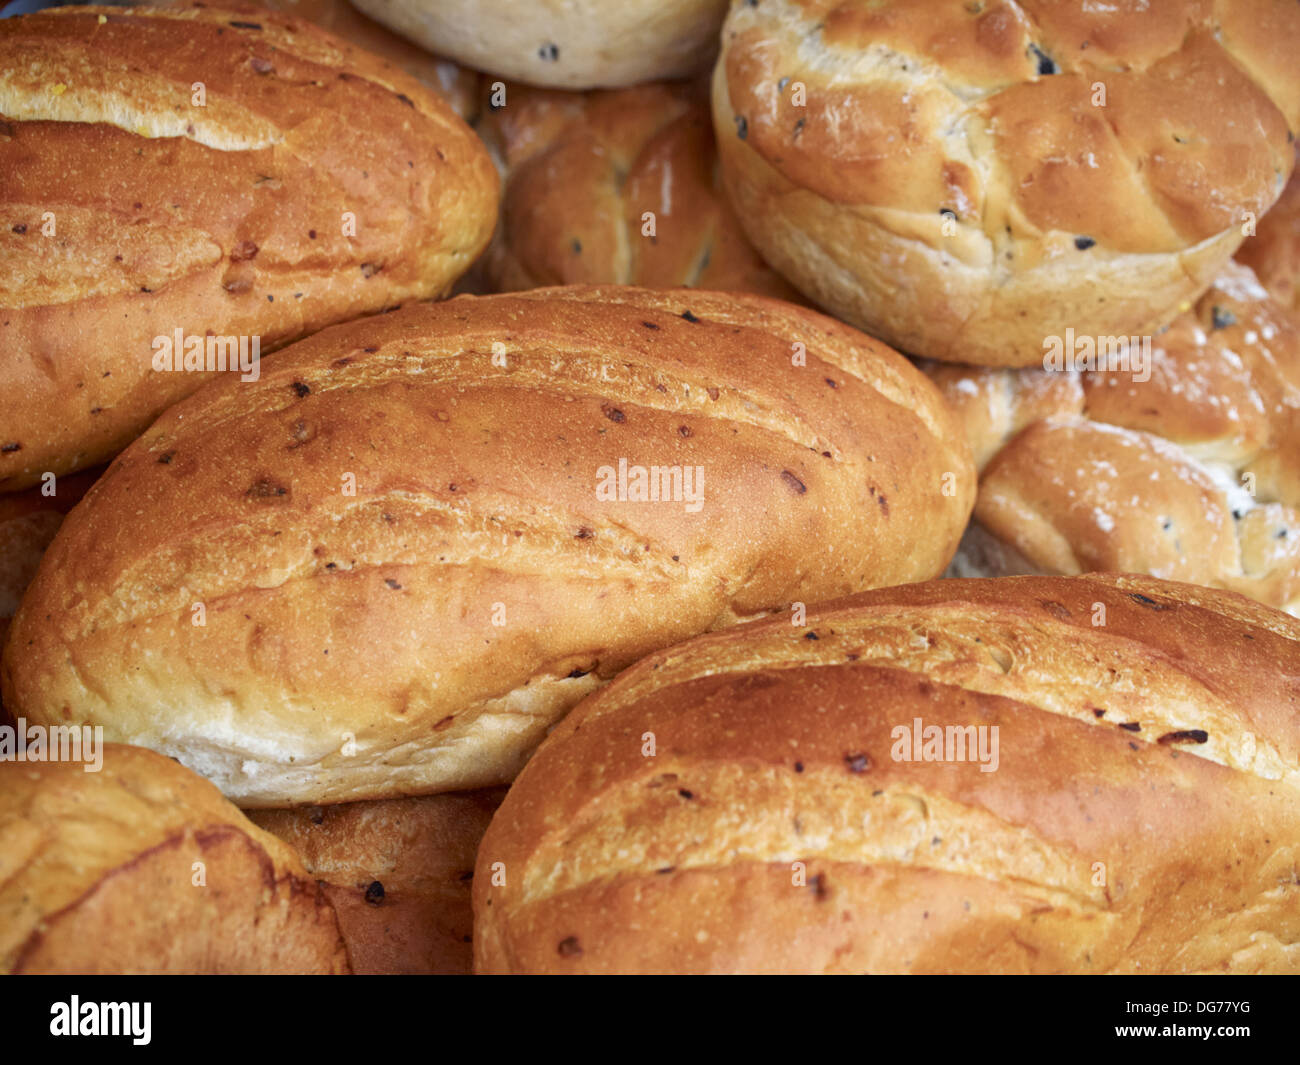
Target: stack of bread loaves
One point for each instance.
(591, 622)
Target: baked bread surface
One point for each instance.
(28, 522)
(563, 44)
(402, 571)
(1274, 251)
(734, 803)
(315, 183)
(142, 867)
(963, 180)
(582, 172)
(454, 83)
(1192, 475)
(398, 873)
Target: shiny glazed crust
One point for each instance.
(403, 568)
(743, 802)
(315, 183)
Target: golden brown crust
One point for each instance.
(1192, 475)
(421, 634)
(398, 873)
(951, 180)
(582, 172)
(28, 522)
(457, 85)
(563, 44)
(1142, 815)
(1274, 251)
(83, 855)
(229, 219)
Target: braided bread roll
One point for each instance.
(1274, 252)
(1193, 475)
(965, 179)
(616, 187)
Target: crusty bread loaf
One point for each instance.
(296, 643)
(583, 170)
(965, 179)
(315, 183)
(1192, 475)
(454, 83)
(142, 867)
(1274, 251)
(745, 802)
(28, 522)
(563, 44)
(398, 873)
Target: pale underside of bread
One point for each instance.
(1142, 816)
(576, 44)
(423, 633)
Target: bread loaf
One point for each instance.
(142, 867)
(169, 177)
(28, 522)
(398, 873)
(615, 187)
(454, 83)
(965, 180)
(1273, 252)
(1192, 474)
(563, 44)
(442, 527)
(1096, 774)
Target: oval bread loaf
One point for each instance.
(1095, 774)
(177, 184)
(563, 44)
(617, 187)
(1180, 459)
(390, 564)
(142, 867)
(963, 180)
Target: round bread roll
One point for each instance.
(583, 171)
(444, 526)
(142, 867)
(1037, 775)
(28, 522)
(1192, 475)
(315, 183)
(563, 44)
(398, 873)
(963, 180)
(458, 86)
(1274, 252)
